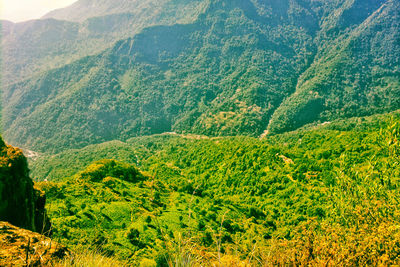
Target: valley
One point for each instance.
(202, 133)
(236, 200)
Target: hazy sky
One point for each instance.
(21, 10)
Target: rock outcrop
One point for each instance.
(20, 247)
(20, 203)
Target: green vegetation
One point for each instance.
(351, 76)
(88, 258)
(237, 68)
(31, 47)
(20, 202)
(325, 194)
(146, 118)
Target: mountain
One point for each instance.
(144, 11)
(358, 74)
(203, 133)
(38, 45)
(239, 68)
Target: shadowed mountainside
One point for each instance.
(239, 68)
(20, 203)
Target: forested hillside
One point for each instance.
(150, 11)
(356, 73)
(246, 67)
(31, 47)
(322, 195)
(205, 132)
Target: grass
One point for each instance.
(89, 258)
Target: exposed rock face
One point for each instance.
(20, 203)
(20, 247)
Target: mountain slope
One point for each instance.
(143, 151)
(186, 71)
(143, 10)
(325, 194)
(20, 247)
(240, 68)
(38, 45)
(359, 73)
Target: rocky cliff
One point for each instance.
(20, 203)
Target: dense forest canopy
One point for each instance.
(216, 68)
(321, 194)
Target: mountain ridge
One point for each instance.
(35, 46)
(236, 70)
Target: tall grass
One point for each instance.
(89, 258)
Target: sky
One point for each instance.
(22, 10)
